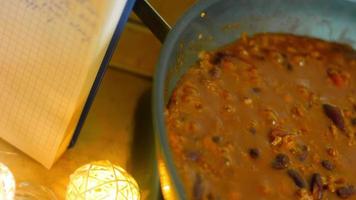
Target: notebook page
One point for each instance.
(50, 51)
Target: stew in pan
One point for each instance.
(271, 116)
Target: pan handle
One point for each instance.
(152, 19)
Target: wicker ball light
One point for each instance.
(102, 180)
(7, 183)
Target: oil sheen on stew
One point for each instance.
(271, 116)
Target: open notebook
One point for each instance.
(50, 54)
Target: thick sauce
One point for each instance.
(271, 116)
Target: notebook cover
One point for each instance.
(111, 48)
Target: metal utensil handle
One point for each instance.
(152, 19)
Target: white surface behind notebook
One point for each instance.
(50, 52)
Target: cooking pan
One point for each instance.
(213, 23)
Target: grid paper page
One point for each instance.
(50, 51)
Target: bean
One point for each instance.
(316, 186)
(217, 58)
(256, 90)
(328, 165)
(193, 155)
(289, 66)
(215, 72)
(198, 189)
(284, 60)
(334, 114)
(217, 139)
(281, 161)
(297, 178)
(211, 197)
(345, 191)
(252, 130)
(254, 153)
(353, 121)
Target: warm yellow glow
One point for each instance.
(102, 181)
(168, 192)
(166, 188)
(7, 183)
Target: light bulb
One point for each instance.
(7, 183)
(102, 180)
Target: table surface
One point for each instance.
(118, 128)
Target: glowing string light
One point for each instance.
(102, 180)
